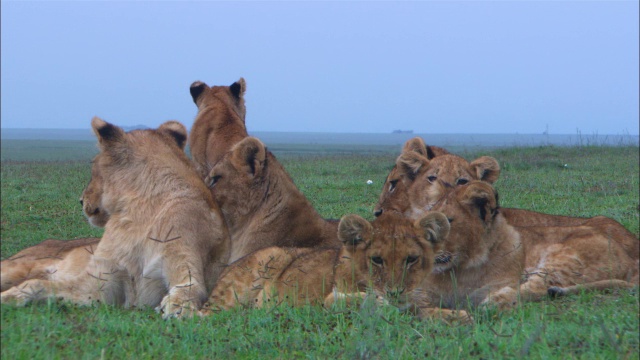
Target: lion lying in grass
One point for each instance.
(165, 241)
(420, 178)
(390, 257)
(487, 261)
(42, 260)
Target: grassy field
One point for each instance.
(41, 184)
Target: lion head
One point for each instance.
(91, 200)
(172, 132)
(393, 255)
(261, 204)
(220, 122)
(421, 182)
(394, 196)
(471, 211)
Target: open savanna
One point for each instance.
(42, 181)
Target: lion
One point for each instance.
(220, 122)
(165, 242)
(91, 200)
(418, 181)
(262, 206)
(389, 257)
(42, 260)
(394, 195)
(487, 261)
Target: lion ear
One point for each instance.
(416, 145)
(196, 89)
(482, 198)
(238, 88)
(175, 131)
(108, 134)
(433, 151)
(409, 164)
(486, 168)
(353, 231)
(249, 155)
(435, 226)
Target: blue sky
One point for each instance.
(433, 67)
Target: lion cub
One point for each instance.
(220, 122)
(261, 204)
(390, 257)
(40, 261)
(165, 240)
(484, 258)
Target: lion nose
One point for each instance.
(81, 202)
(395, 292)
(377, 212)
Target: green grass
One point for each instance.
(40, 190)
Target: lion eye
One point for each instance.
(432, 178)
(450, 220)
(462, 181)
(392, 185)
(411, 259)
(377, 260)
(213, 180)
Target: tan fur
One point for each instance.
(42, 260)
(394, 196)
(91, 200)
(487, 257)
(421, 181)
(262, 206)
(220, 122)
(428, 180)
(389, 257)
(165, 242)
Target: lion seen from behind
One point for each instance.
(165, 241)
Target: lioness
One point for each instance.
(220, 122)
(165, 241)
(261, 205)
(484, 258)
(390, 257)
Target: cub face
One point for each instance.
(91, 199)
(426, 181)
(394, 195)
(393, 254)
(237, 181)
(471, 210)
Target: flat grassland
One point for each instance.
(42, 181)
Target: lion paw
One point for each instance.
(19, 296)
(458, 316)
(555, 291)
(504, 299)
(179, 303)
